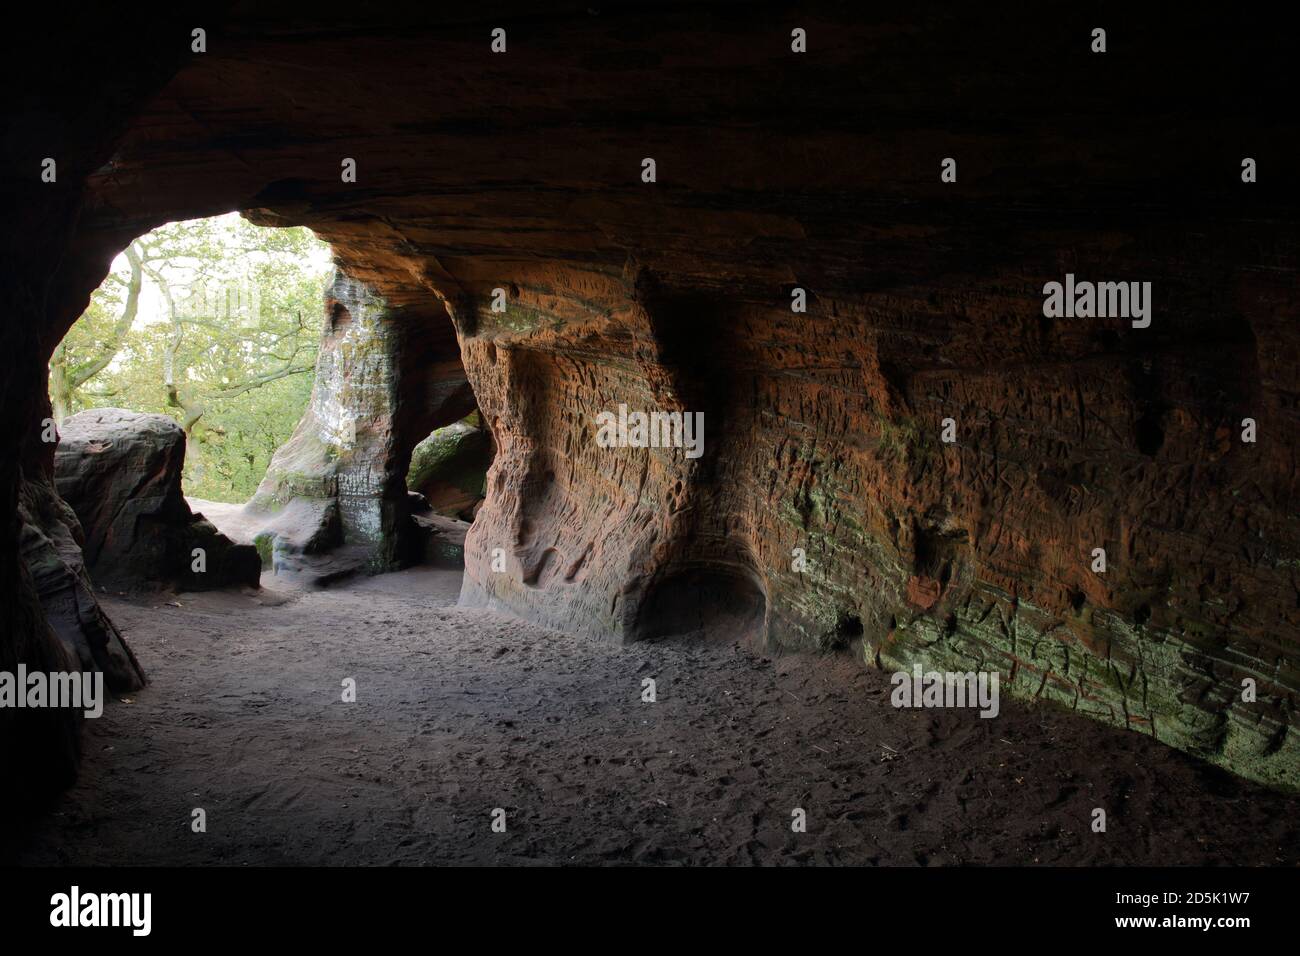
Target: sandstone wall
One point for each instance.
(823, 434)
(373, 393)
(522, 172)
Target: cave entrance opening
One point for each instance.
(717, 602)
(318, 427)
(214, 323)
(447, 483)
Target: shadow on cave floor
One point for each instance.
(461, 711)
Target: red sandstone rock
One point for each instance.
(521, 173)
(923, 592)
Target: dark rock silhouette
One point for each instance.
(52, 550)
(120, 471)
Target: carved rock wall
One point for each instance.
(522, 172)
(346, 461)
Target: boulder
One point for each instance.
(300, 540)
(449, 468)
(442, 538)
(120, 471)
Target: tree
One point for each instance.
(88, 349)
(225, 343)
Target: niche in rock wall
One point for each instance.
(715, 602)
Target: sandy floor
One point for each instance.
(459, 712)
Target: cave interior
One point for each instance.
(502, 244)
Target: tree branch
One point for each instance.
(80, 374)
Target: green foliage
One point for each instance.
(225, 342)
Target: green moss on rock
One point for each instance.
(450, 467)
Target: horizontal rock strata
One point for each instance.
(516, 179)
